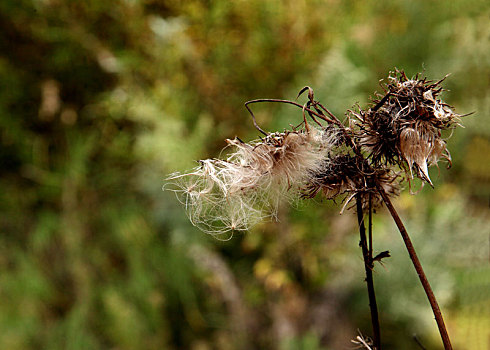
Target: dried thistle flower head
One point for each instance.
(345, 174)
(282, 157)
(234, 194)
(405, 126)
(337, 176)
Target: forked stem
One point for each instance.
(368, 267)
(420, 271)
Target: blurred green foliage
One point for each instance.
(100, 100)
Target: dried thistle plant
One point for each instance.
(401, 133)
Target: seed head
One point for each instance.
(234, 194)
(405, 126)
(345, 175)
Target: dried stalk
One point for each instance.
(368, 266)
(420, 271)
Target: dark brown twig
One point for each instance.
(370, 231)
(420, 271)
(368, 267)
(254, 121)
(321, 116)
(382, 102)
(417, 341)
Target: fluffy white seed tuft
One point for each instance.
(234, 194)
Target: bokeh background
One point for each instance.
(100, 100)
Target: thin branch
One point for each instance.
(382, 102)
(321, 116)
(255, 121)
(420, 271)
(337, 121)
(370, 230)
(418, 342)
(311, 113)
(368, 266)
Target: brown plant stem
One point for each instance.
(370, 230)
(368, 267)
(275, 100)
(418, 267)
